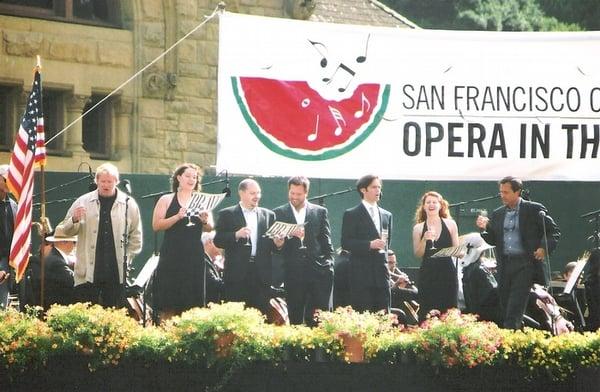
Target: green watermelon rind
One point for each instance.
(329, 154)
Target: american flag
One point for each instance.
(29, 151)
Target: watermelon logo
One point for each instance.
(293, 120)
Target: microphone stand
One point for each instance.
(321, 198)
(548, 268)
(125, 246)
(462, 203)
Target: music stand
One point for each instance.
(142, 280)
(572, 283)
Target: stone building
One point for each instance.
(166, 115)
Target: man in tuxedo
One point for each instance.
(248, 254)
(8, 210)
(362, 228)
(58, 276)
(517, 231)
(308, 270)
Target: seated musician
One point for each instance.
(214, 268)
(575, 305)
(58, 275)
(399, 281)
(481, 292)
(403, 292)
(29, 286)
(543, 308)
(480, 287)
(568, 270)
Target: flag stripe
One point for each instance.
(29, 151)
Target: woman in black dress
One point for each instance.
(178, 284)
(434, 229)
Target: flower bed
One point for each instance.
(225, 338)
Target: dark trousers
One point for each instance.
(514, 285)
(592, 292)
(372, 299)
(304, 296)
(104, 294)
(251, 290)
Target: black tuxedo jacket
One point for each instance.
(317, 239)
(530, 229)
(58, 279)
(368, 267)
(237, 255)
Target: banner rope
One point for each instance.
(217, 9)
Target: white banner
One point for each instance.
(340, 101)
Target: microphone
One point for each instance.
(92, 185)
(127, 186)
(227, 190)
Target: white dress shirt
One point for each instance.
(373, 211)
(251, 217)
(300, 215)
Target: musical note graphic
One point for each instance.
(363, 102)
(339, 120)
(349, 75)
(316, 45)
(362, 59)
(313, 136)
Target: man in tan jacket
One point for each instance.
(98, 220)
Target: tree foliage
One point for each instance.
(586, 13)
(495, 15)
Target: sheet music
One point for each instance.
(575, 275)
(204, 201)
(282, 229)
(146, 272)
(453, 251)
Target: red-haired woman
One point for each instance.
(434, 229)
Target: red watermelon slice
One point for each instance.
(292, 119)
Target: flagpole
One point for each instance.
(45, 224)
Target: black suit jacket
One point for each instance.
(317, 239)
(58, 279)
(530, 229)
(237, 255)
(368, 267)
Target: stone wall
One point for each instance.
(75, 58)
(177, 115)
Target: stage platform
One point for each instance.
(71, 374)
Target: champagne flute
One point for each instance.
(384, 237)
(188, 214)
(302, 246)
(192, 208)
(483, 213)
(247, 242)
(82, 217)
(432, 239)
